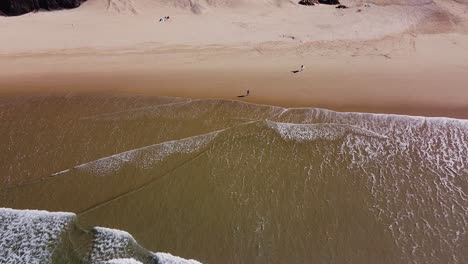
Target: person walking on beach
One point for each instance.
(164, 19)
(301, 69)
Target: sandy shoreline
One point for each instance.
(166, 86)
(355, 61)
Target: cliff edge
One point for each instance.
(20, 7)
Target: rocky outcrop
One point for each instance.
(20, 7)
(314, 2)
(329, 2)
(307, 2)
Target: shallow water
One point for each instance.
(229, 182)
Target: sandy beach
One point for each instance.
(387, 57)
(133, 124)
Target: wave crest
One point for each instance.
(323, 131)
(146, 157)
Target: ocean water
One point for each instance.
(224, 181)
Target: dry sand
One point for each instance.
(407, 57)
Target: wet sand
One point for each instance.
(413, 82)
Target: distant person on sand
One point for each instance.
(245, 95)
(297, 71)
(164, 19)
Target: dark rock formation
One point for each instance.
(20, 7)
(307, 2)
(329, 2)
(342, 7)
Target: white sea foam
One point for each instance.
(166, 258)
(309, 132)
(30, 236)
(116, 246)
(60, 172)
(146, 157)
(111, 244)
(419, 173)
(123, 261)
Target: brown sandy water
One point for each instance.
(230, 182)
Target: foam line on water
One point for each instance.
(133, 191)
(145, 157)
(60, 172)
(123, 261)
(166, 258)
(328, 111)
(138, 109)
(327, 131)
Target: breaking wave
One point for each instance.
(30, 236)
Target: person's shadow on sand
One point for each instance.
(297, 71)
(245, 95)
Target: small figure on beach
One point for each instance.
(245, 95)
(301, 69)
(164, 19)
